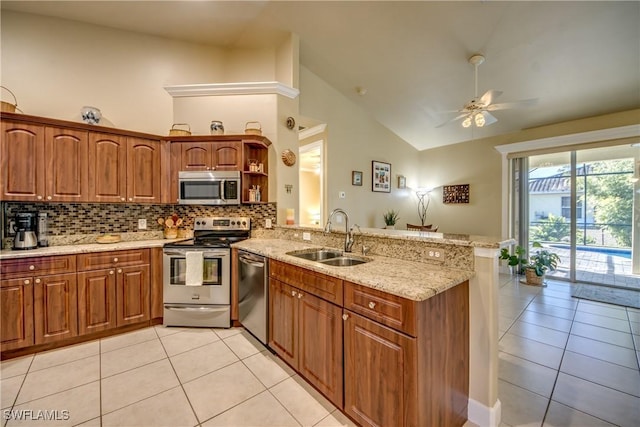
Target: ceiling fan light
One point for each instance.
(479, 120)
(466, 122)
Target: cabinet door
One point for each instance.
(55, 308)
(16, 306)
(66, 154)
(196, 156)
(132, 295)
(143, 170)
(107, 168)
(96, 301)
(320, 345)
(283, 315)
(380, 385)
(227, 156)
(22, 161)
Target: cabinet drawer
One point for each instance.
(323, 286)
(100, 260)
(38, 266)
(390, 310)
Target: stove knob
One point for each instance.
(244, 223)
(197, 222)
(233, 223)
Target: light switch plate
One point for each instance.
(306, 236)
(142, 224)
(342, 195)
(267, 223)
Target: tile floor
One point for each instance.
(563, 362)
(566, 361)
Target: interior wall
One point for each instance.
(309, 197)
(354, 139)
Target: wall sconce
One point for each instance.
(421, 194)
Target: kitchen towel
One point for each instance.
(194, 261)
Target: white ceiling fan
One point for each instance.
(477, 111)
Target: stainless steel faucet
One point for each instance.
(348, 238)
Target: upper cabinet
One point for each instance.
(210, 155)
(51, 160)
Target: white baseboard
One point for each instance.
(484, 416)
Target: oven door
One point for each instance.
(216, 283)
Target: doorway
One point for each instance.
(311, 176)
(581, 204)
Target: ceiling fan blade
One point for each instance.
(452, 120)
(489, 119)
(489, 96)
(515, 104)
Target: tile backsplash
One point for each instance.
(69, 219)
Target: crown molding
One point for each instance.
(309, 132)
(245, 88)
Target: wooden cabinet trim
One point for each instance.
(326, 287)
(37, 266)
(102, 260)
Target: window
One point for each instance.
(566, 208)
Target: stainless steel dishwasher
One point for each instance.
(253, 294)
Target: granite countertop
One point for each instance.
(85, 248)
(409, 279)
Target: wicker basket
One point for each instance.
(7, 107)
(533, 279)
(253, 128)
(180, 132)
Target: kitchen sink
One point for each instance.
(316, 254)
(345, 261)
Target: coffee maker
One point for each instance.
(26, 228)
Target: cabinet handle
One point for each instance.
(26, 282)
(131, 199)
(123, 199)
(372, 305)
(345, 316)
(38, 280)
(119, 270)
(49, 197)
(300, 295)
(32, 267)
(39, 197)
(293, 293)
(115, 260)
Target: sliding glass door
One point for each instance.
(582, 205)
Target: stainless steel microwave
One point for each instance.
(209, 187)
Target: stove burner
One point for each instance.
(216, 232)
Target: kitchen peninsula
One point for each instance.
(420, 332)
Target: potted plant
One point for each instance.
(390, 218)
(517, 260)
(541, 261)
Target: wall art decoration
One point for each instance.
(402, 181)
(455, 193)
(380, 177)
(356, 177)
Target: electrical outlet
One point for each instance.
(142, 224)
(267, 223)
(434, 254)
(342, 195)
(306, 235)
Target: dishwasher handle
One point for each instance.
(250, 259)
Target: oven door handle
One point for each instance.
(174, 253)
(199, 309)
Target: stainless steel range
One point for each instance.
(197, 273)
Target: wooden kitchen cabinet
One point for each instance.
(211, 155)
(55, 308)
(258, 151)
(114, 289)
(22, 161)
(144, 170)
(107, 168)
(16, 308)
(66, 154)
(306, 332)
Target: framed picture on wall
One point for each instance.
(402, 181)
(380, 177)
(356, 177)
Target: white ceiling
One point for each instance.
(580, 59)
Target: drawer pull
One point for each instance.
(49, 198)
(372, 305)
(38, 280)
(32, 267)
(122, 199)
(26, 282)
(293, 293)
(115, 260)
(345, 316)
(300, 295)
(119, 270)
(111, 272)
(39, 197)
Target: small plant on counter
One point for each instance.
(390, 218)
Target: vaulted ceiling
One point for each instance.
(579, 59)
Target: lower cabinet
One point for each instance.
(16, 309)
(132, 295)
(380, 384)
(306, 332)
(96, 301)
(55, 308)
